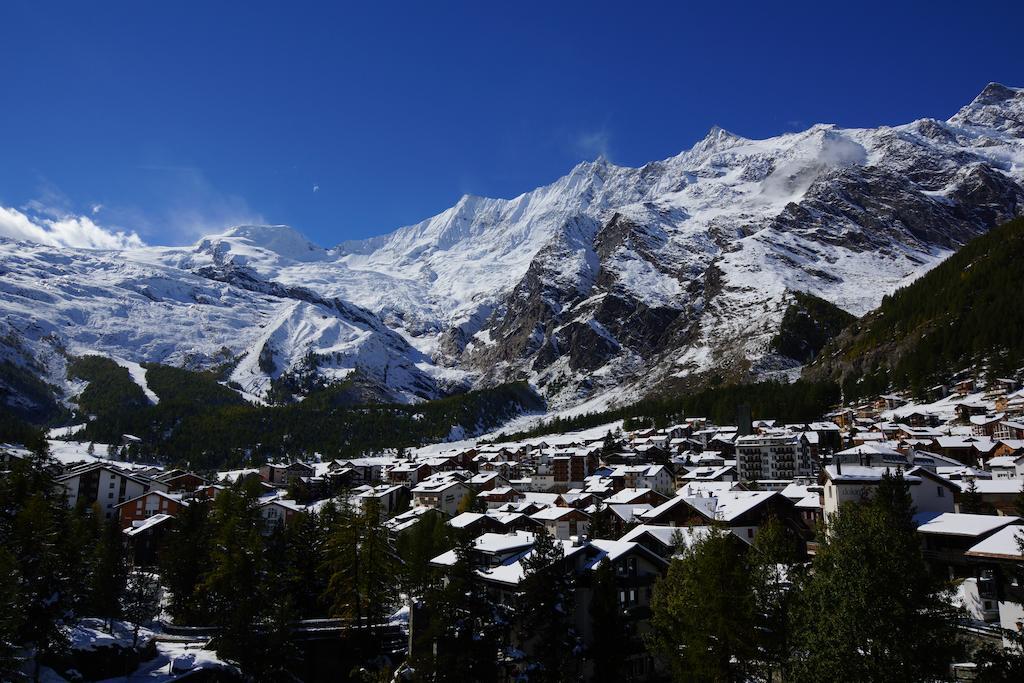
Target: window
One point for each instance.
(939, 489)
(110, 495)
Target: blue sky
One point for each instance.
(171, 119)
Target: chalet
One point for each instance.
(742, 511)
(948, 536)
(1001, 494)
(499, 496)
(443, 494)
(999, 558)
(580, 499)
(276, 513)
(635, 496)
(726, 473)
(408, 473)
(1009, 430)
(985, 425)
(500, 558)
(969, 450)
(562, 522)
(389, 499)
(145, 536)
(855, 483)
(1007, 466)
(622, 517)
(147, 505)
(282, 474)
(476, 523)
(180, 480)
(404, 521)
(485, 481)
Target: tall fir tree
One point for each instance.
(869, 610)
(184, 557)
(139, 601)
(612, 641)
(10, 616)
(544, 611)
(108, 573)
(775, 560)
(704, 613)
(464, 633)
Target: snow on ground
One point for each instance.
(138, 375)
(67, 452)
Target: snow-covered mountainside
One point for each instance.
(610, 277)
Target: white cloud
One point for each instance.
(63, 231)
(594, 144)
(316, 188)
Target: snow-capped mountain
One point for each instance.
(610, 277)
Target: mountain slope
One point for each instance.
(966, 312)
(608, 284)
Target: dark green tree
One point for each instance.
(544, 611)
(611, 640)
(464, 634)
(704, 612)
(775, 561)
(970, 499)
(10, 616)
(869, 610)
(184, 558)
(46, 592)
(139, 601)
(600, 522)
(362, 564)
(108, 573)
(427, 539)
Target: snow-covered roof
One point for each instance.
(553, 513)
(1004, 544)
(465, 519)
(145, 525)
(627, 512)
(994, 486)
(961, 524)
(871, 449)
(864, 473)
(627, 495)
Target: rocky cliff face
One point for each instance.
(611, 280)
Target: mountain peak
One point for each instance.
(997, 107)
(282, 240)
(995, 93)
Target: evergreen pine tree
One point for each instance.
(108, 574)
(775, 560)
(869, 610)
(427, 539)
(611, 638)
(234, 587)
(600, 522)
(46, 592)
(10, 615)
(139, 601)
(184, 557)
(703, 613)
(464, 629)
(970, 499)
(342, 563)
(545, 609)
